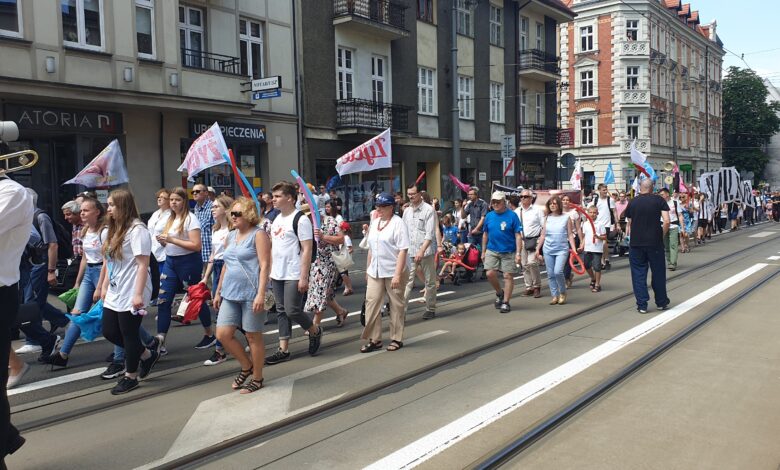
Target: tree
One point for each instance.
(748, 121)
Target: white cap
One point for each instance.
(211, 189)
(497, 196)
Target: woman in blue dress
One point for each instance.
(555, 241)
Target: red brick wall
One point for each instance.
(605, 80)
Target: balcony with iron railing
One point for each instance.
(209, 61)
(538, 65)
(355, 114)
(534, 136)
(378, 18)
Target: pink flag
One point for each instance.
(208, 150)
(107, 169)
(463, 187)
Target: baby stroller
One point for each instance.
(473, 260)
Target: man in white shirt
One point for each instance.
(607, 215)
(420, 221)
(532, 218)
(291, 251)
(16, 212)
(322, 198)
(672, 237)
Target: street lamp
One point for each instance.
(468, 4)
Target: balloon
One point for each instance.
(574, 258)
(315, 210)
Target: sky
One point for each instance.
(747, 27)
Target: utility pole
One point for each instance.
(707, 105)
(674, 118)
(455, 104)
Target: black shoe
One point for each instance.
(641, 310)
(154, 345)
(46, 351)
(124, 385)
(429, 315)
(277, 357)
(110, 357)
(499, 300)
(314, 342)
(114, 370)
(665, 307)
(56, 360)
(15, 443)
(505, 308)
(146, 364)
(206, 342)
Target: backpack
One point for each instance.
(64, 239)
(611, 214)
(297, 219)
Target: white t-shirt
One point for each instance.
(191, 223)
(587, 232)
(156, 226)
(93, 245)
(385, 246)
(605, 205)
(532, 219)
(347, 241)
(674, 206)
(218, 238)
(122, 273)
(285, 247)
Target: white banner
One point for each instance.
(208, 150)
(107, 169)
(576, 177)
(371, 155)
(747, 194)
(721, 186)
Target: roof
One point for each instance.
(560, 5)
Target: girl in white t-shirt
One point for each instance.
(127, 288)
(592, 244)
(157, 223)
(183, 264)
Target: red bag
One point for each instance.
(472, 257)
(197, 294)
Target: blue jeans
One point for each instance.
(640, 258)
(177, 270)
(87, 288)
(555, 265)
(35, 288)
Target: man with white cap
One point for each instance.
(502, 242)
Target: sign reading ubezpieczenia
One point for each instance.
(208, 150)
(371, 155)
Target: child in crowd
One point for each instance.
(592, 244)
(448, 270)
(450, 230)
(345, 227)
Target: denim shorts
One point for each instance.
(239, 313)
(592, 260)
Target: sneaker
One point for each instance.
(215, 359)
(206, 342)
(13, 380)
(163, 351)
(429, 315)
(110, 357)
(48, 350)
(641, 310)
(314, 342)
(277, 357)
(154, 345)
(665, 307)
(124, 385)
(114, 370)
(29, 348)
(505, 308)
(146, 364)
(499, 300)
(56, 360)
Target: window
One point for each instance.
(632, 127)
(82, 23)
(425, 10)
(523, 106)
(524, 33)
(539, 109)
(632, 78)
(586, 38)
(632, 30)
(586, 131)
(465, 19)
(683, 55)
(378, 79)
(10, 18)
(496, 26)
(345, 73)
(191, 35)
(662, 84)
(684, 139)
(465, 96)
(144, 28)
(654, 36)
(426, 91)
(251, 35)
(496, 102)
(673, 48)
(586, 84)
(540, 36)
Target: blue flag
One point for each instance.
(609, 176)
(650, 171)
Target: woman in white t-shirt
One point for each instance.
(157, 224)
(347, 245)
(183, 264)
(127, 288)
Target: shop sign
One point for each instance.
(566, 137)
(482, 176)
(44, 118)
(235, 131)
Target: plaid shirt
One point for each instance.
(78, 246)
(206, 222)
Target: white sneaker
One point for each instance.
(29, 348)
(13, 380)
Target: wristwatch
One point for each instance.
(52, 271)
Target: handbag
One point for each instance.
(343, 259)
(529, 243)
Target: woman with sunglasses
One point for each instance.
(240, 295)
(556, 240)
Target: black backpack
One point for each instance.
(611, 214)
(64, 238)
(297, 219)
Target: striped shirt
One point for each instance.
(206, 222)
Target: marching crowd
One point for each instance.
(270, 257)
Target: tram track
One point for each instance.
(527, 438)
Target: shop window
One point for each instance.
(251, 35)
(82, 23)
(10, 18)
(358, 190)
(144, 28)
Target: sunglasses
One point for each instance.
(524, 197)
(236, 214)
(495, 201)
(196, 191)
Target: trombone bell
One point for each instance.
(24, 159)
(668, 179)
(669, 166)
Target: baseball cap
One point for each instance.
(211, 190)
(497, 196)
(344, 225)
(385, 199)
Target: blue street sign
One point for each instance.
(259, 95)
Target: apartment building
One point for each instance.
(369, 65)
(645, 71)
(76, 74)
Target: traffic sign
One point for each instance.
(259, 95)
(509, 167)
(507, 146)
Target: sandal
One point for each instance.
(252, 386)
(592, 284)
(349, 292)
(238, 382)
(596, 288)
(395, 345)
(371, 347)
(341, 318)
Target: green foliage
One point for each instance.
(748, 120)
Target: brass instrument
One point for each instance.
(669, 166)
(668, 179)
(25, 159)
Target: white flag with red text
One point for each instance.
(208, 150)
(576, 177)
(107, 169)
(370, 155)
